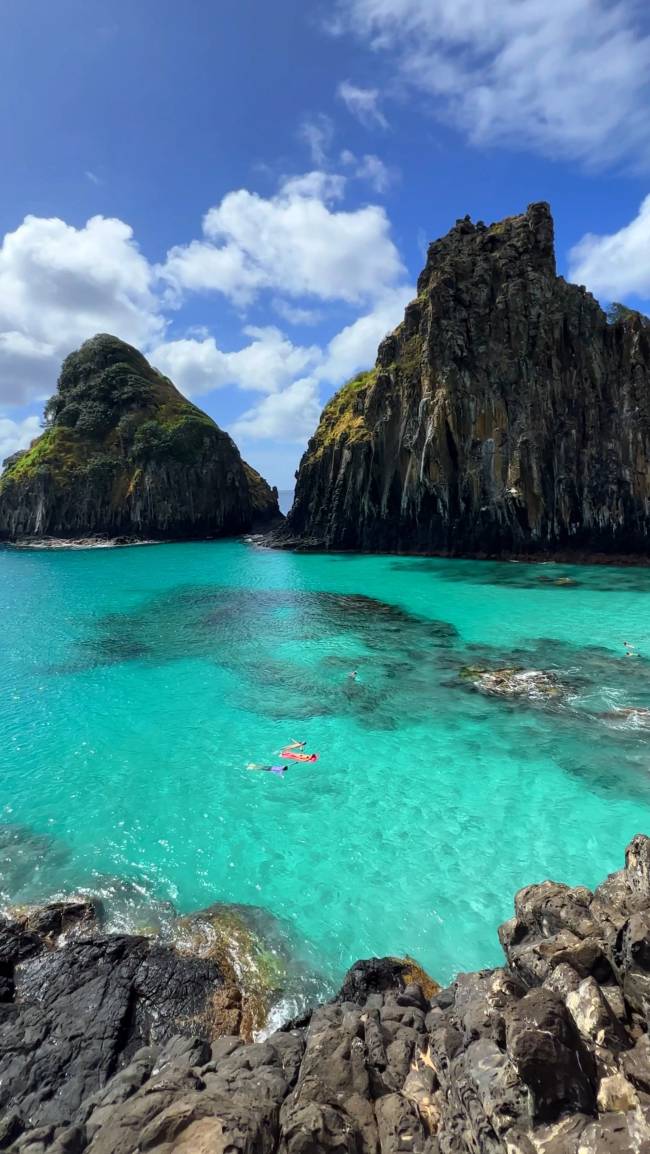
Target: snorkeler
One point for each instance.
(277, 769)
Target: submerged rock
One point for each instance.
(125, 456)
(503, 415)
(532, 683)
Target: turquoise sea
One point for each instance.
(136, 684)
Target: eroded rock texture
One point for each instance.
(504, 414)
(104, 1045)
(126, 455)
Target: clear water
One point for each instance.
(136, 685)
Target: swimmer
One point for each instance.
(352, 676)
(295, 745)
(629, 649)
(277, 769)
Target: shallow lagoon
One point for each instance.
(136, 684)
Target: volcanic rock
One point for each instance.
(125, 455)
(103, 1048)
(504, 415)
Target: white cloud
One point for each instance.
(292, 413)
(326, 186)
(565, 77)
(370, 168)
(15, 435)
(293, 243)
(618, 264)
(363, 103)
(289, 416)
(92, 176)
(60, 285)
(317, 132)
(296, 315)
(265, 365)
(355, 347)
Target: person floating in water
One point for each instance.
(296, 752)
(352, 676)
(280, 770)
(630, 649)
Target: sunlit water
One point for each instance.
(137, 684)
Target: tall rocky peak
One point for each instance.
(124, 453)
(503, 415)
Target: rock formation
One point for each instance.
(503, 415)
(109, 1044)
(124, 454)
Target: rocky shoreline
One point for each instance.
(114, 1044)
(79, 542)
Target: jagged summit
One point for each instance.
(124, 453)
(531, 233)
(503, 415)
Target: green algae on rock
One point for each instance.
(255, 972)
(506, 414)
(125, 454)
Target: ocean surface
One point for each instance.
(137, 684)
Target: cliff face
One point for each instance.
(125, 453)
(504, 414)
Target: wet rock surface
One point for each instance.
(103, 1045)
(504, 415)
(533, 683)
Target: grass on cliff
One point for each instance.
(342, 418)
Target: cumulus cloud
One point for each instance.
(616, 265)
(58, 286)
(567, 78)
(292, 413)
(293, 243)
(363, 103)
(355, 347)
(289, 416)
(268, 363)
(15, 435)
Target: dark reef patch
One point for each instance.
(522, 575)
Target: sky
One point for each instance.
(245, 189)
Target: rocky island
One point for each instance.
(124, 454)
(504, 415)
(115, 1044)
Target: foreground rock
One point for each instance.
(503, 415)
(126, 456)
(104, 1046)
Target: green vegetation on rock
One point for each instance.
(124, 452)
(343, 418)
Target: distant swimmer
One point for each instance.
(277, 769)
(630, 649)
(352, 676)
(295, 745)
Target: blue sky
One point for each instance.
(246, 189)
